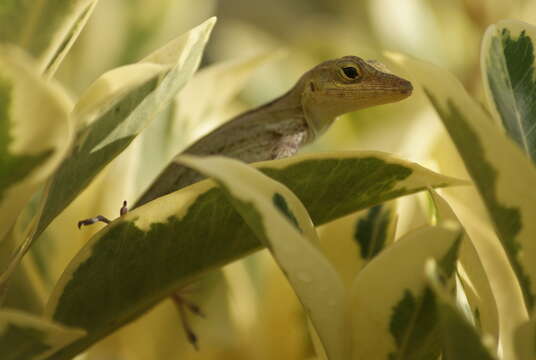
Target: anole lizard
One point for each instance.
(279, 128)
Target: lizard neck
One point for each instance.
(318, 122)
(318, 112)
(314, 105)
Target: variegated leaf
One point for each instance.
(182, 235)
(132, 171)
(114, 110)
(509, 79)
(393, 310)
(282, 224)
(503, 175)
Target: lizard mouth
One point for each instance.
(403, 87)
(371, 92)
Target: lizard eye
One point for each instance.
(350, 72)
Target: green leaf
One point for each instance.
(394, 317)
(194, 230)
(460, 340)
(503, 175)
(119, 105)
(33, 139)
(26, 337)
(414, 327)
(508, 73)
(372, 231)
(45, 29)
(281, 222)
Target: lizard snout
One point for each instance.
(405, 87)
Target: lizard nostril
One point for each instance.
(406, 87)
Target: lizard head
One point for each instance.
(347, 84)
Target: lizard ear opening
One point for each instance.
(312, 86)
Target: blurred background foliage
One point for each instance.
(445, 33)
(251, 312)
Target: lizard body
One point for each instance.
(279, 128)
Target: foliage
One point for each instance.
(449, 272)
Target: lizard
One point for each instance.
(280, 127)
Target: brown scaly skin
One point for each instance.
(279, 128)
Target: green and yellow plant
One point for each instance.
(460, 287)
